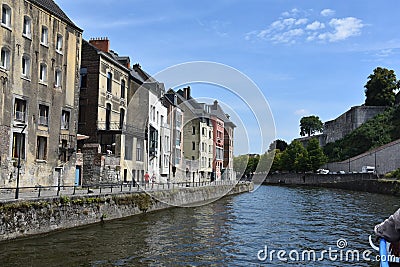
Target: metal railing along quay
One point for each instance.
(36, 192)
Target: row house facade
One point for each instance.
(175, 120)
(39, 87)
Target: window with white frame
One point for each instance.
(109, 82)
(44, 37)
(57, 78)
(139, 150)
(19, 110)
(5, 58)
(43, 115)
(6, 15)
(27, 27)
(59, 43)
(65, 120)
(26, 66)
(43, 73)
(41, 149)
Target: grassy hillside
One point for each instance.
(380, 130)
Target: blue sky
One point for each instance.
(308, 57)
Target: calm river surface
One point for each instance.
(229, 232)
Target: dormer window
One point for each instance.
(27, 29)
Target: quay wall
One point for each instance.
(21, 218)
(363, 182)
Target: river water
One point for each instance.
(233, 231)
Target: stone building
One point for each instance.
(344, 124)
(39, 85)
(217, 119)
(102, 111)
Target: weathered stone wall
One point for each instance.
(349, 121)
(24, 218)
(384, 158)
(316, 179)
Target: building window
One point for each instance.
(57, 78)
(209, 162)
(123, 89)
(209, 134)
(5, 58)
(154, 113)
(108, 116)
(41, 152)
(6, 16)
(109, 82)
(43, 73)
(27, 29)
(193, 145)
(83, 77)
(128, 147)
(44, 37)
(59, 43)
(139, 151)
(43, 115)
(121, 118)
(26, 66)
(65, 120)
(18, 145)
(19, 110)
(193, 130)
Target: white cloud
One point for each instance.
(301, 112)
(316, 25)
(343, 29)
(327, 12)
(301, 21)
(295, 27)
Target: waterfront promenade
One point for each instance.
(7, 194)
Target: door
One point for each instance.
(78, 175)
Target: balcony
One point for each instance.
(111, 126)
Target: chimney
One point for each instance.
(101, 43)
(186, 92)
(215, 104)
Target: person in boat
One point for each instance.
(389, 229)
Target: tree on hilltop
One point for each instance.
(380, 88)
(310, 125)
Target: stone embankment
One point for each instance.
(365, 182)
(29, 217)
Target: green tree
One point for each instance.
(240, 163)
(380, 88)
(315, 154)
(278, 144)
(310, 125)
(295, 158)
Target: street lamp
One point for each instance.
(19, 162)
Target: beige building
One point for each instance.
(39, 87)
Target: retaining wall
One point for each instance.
(23, 218)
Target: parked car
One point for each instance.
(368, 169)
(342, 172)
(322, 171)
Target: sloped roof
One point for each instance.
(219, 113)
(53, 8)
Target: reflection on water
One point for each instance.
(229, 232)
